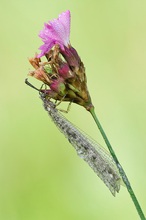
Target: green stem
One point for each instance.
(121, 171)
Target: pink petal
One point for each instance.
(56, 31)
(65, 18)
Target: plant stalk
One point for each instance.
(121, 170)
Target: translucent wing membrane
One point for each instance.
(95, 155)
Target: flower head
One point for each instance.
(63, 70)
(56, 31)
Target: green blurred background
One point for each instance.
(41, 176)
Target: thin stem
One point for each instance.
(121, 170)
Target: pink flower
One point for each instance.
(63, 70)
(56, 31)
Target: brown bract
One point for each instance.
(64, 73)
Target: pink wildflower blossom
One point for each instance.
(63, 70)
